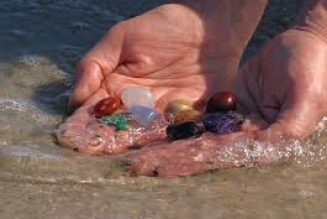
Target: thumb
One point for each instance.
(300, 115)
(88, 81)
(93, 68)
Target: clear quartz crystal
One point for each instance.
(140, 101)
(140, 96)
(144, 115)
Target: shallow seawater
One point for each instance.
(40, 43)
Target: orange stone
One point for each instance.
(107, 106)
(221, 102)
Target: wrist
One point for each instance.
(313, 18)
(231, 22)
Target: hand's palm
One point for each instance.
(167, 54)
(163, 58)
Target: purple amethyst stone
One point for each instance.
(223, 122)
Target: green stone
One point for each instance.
(121, 124)
(110, 120)
(119, 121)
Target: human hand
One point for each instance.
(285, 86)
(283, 91)
(168, 50)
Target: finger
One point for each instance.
(81, 132)
(94, 67)
(299, 115)
(140, 164)
(87, 83)
(96, 97)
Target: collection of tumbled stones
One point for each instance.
(184, 121)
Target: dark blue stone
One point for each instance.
(223, 122)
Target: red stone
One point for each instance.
(107, 106)
(221, 102)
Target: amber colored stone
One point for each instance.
(107, 106)
(191, 115)
(178, 106)
(181, 111)
(221, 102)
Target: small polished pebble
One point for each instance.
(182, 130)
(221, 102)
(180, 111)
(119, 121)
(191, 115)
(138, 96)
(106, 106)
(141, 102)
(144, 115)
(178, 106)
(223, 122)
(133, 123)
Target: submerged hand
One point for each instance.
(283, 90)
(166, 50)
(285, 86)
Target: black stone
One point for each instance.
(182, 130)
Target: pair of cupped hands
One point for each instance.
(282, 90)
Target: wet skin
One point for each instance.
(282, 90)
(171, 51)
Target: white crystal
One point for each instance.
(138, 96)
(144, 115)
